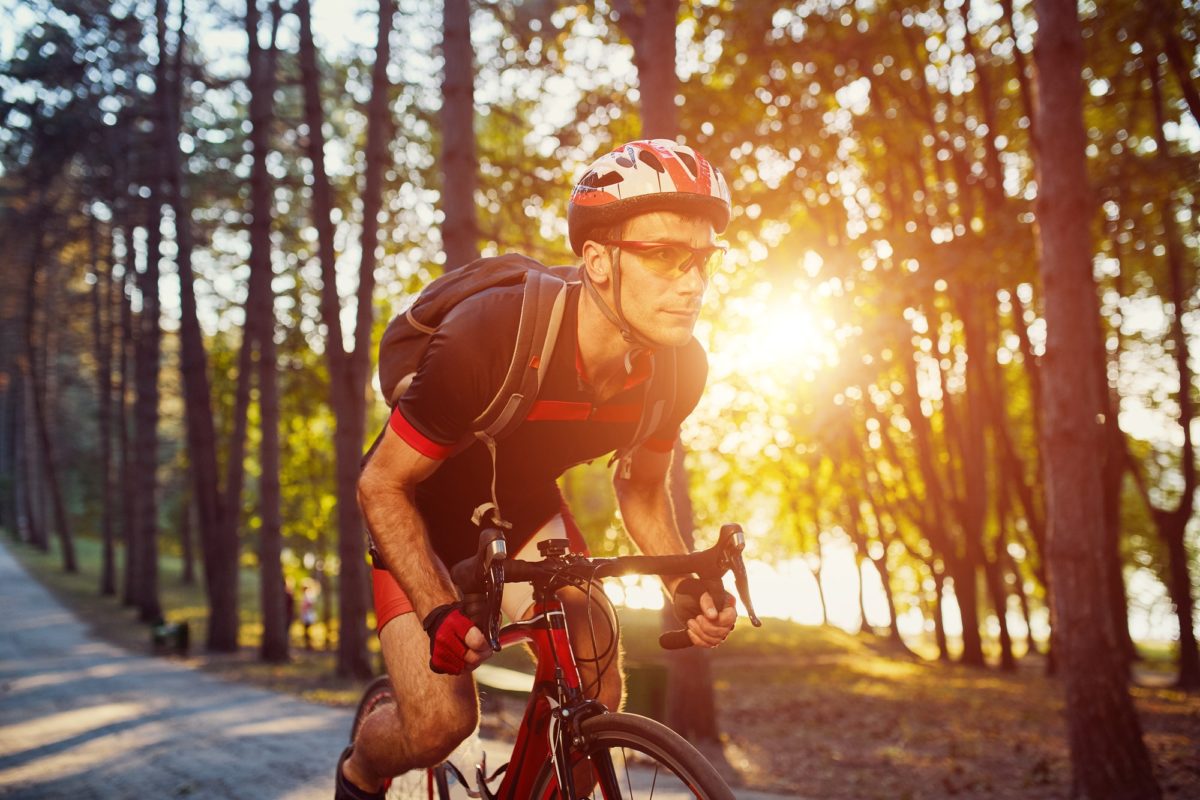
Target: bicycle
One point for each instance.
(617, 754)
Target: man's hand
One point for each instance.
(706, 609)
(455, 644)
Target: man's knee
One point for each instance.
(434, 731)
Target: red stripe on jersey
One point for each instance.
(417, 440)
(567, 411)
(659, 445)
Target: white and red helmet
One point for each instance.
(643, 176)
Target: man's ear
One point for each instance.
(597, 262)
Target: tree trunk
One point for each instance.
(348, 375)
(1108, 757)
(146, 368)
(38, 379)
(460, 231)
(31, 468)
(101, 337)
(939, 622)
(691, 708)
(218, 537)
(129, 525)
(1172, 525)
(187, 539)
(271, 586)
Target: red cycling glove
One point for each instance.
(447, 627)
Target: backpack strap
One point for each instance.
(660, 399)
(542, 309)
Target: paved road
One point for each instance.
(81, 718)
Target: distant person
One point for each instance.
(308, 610)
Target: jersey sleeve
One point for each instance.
(459, 374)
(690, 376)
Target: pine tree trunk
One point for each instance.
(1108, 757)
(1172, 525)
(218, 538)
(101, 332)
(939, 621)
(691, 707)
(460, 231)
(186, 540)
(146, 368)
(129, 526)
(262, 89)
(39, 380)
(348, 394)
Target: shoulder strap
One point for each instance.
(542, 310)
(660, 399)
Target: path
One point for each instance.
(81, 718)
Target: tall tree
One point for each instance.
(691, 707)
(218, 534)
(1172, 523)
(348, 371)
(1108, 757)
(102, 340)
(39, 367)
(262, 90)
(148, 347)
(460, 230)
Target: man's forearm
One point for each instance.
(650, 519)
(400, 535)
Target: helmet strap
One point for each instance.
(614, 314)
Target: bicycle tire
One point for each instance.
(678, 768)
(378, 693)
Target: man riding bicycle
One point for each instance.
(643, 219)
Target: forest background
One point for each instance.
(876, 410)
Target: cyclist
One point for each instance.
(643, 219)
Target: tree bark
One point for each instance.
(101, 338)
(38, 379)
(124, 439)
(1108, 757)
(460, 231)
(1172, 523)
(218, 536)
(262, 89)
(349, 371)
(691, 707)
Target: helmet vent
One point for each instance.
(651, 160)
(688, 162)
(594, 180)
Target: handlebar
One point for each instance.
(482, 576)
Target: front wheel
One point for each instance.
(633, 758)
(425, 784)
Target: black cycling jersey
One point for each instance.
(459, 375)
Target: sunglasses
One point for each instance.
(672, 260)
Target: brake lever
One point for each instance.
(735, 542)
(493, 577)
(495, 593)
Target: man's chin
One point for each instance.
(673, 336)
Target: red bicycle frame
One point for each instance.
(556, 682)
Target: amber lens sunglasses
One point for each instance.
(673, 259)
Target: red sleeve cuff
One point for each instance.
(659, 445)
(417, 440)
